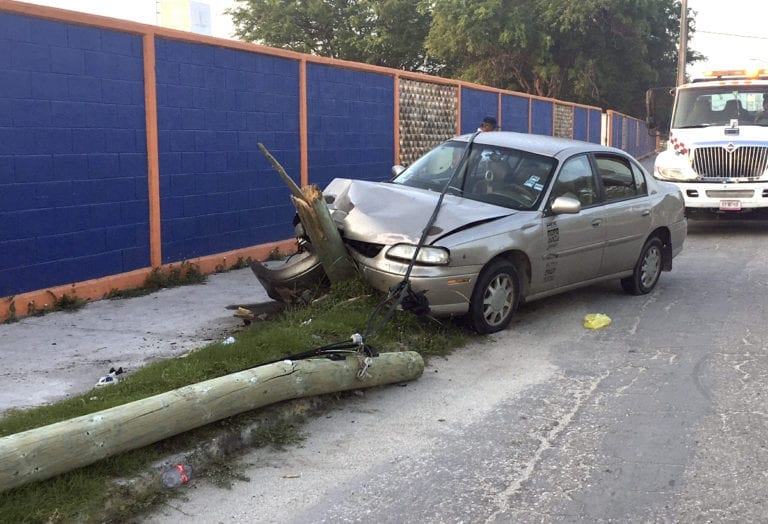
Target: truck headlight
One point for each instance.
(675, 174)
(433, 256)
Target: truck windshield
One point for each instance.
(719, 105)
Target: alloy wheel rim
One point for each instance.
(651, 267)
(498, 300)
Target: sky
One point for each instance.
(731, 33)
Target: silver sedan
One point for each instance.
(486, 221)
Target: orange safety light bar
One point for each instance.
(740, 73)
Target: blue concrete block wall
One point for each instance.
(514, 113)
(476, 105)
(73, 160)
(617, 126)
(542, 113)
(215, 105)
(595, 125)
(581, 124)
(632, 145)
(631, 135)
(351, 125)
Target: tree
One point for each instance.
(615, 49)
(389, 33)
(493, 42)
(601, 52)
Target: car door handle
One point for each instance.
(597, 222)
(645, 212)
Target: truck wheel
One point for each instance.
(495, 297)
(647, 269)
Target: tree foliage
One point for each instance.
(389, 33)
(599, 52)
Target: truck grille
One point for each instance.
(725, 193)
(745, 163)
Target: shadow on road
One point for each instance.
(749, 223)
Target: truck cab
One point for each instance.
(717, 146)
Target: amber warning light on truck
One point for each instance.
(734, 73)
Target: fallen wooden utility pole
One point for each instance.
(318, 224)
(41, 453)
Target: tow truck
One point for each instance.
(717, 145)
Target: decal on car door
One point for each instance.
(553, 233)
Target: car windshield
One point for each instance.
(502, 176)
(719, 105)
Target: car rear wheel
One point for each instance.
(495, 297)
(647, 269)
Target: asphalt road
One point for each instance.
(660, 417)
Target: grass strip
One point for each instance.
(93, 493)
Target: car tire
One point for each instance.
(647, 269)
(495, 297)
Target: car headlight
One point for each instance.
(434, 256)
(675, 174)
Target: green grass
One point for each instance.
(90, 494)
(65, 302)
(184, 274)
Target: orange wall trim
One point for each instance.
(153, 155)
(98, 288)
(396, 125)
(458, 110)
(303, 126)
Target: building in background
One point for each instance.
(206, 17)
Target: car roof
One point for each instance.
(541, 144)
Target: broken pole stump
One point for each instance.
(319, 226)
(323, 234)
(41, 453)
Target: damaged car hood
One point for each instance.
(385, 213)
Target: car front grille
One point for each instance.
(745, 163)
(366, 249)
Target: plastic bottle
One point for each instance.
(178, 475)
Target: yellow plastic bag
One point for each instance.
(596, 321)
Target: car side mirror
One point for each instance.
(396, 170)
(564, 205)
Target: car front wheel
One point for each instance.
(647, 269)
(495, 297)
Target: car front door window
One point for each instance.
(576, 181)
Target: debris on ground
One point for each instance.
(596, 320)
(110, 378)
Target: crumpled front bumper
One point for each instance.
(289, 280)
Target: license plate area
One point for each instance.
(730, 205)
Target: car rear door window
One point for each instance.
(616, 178)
